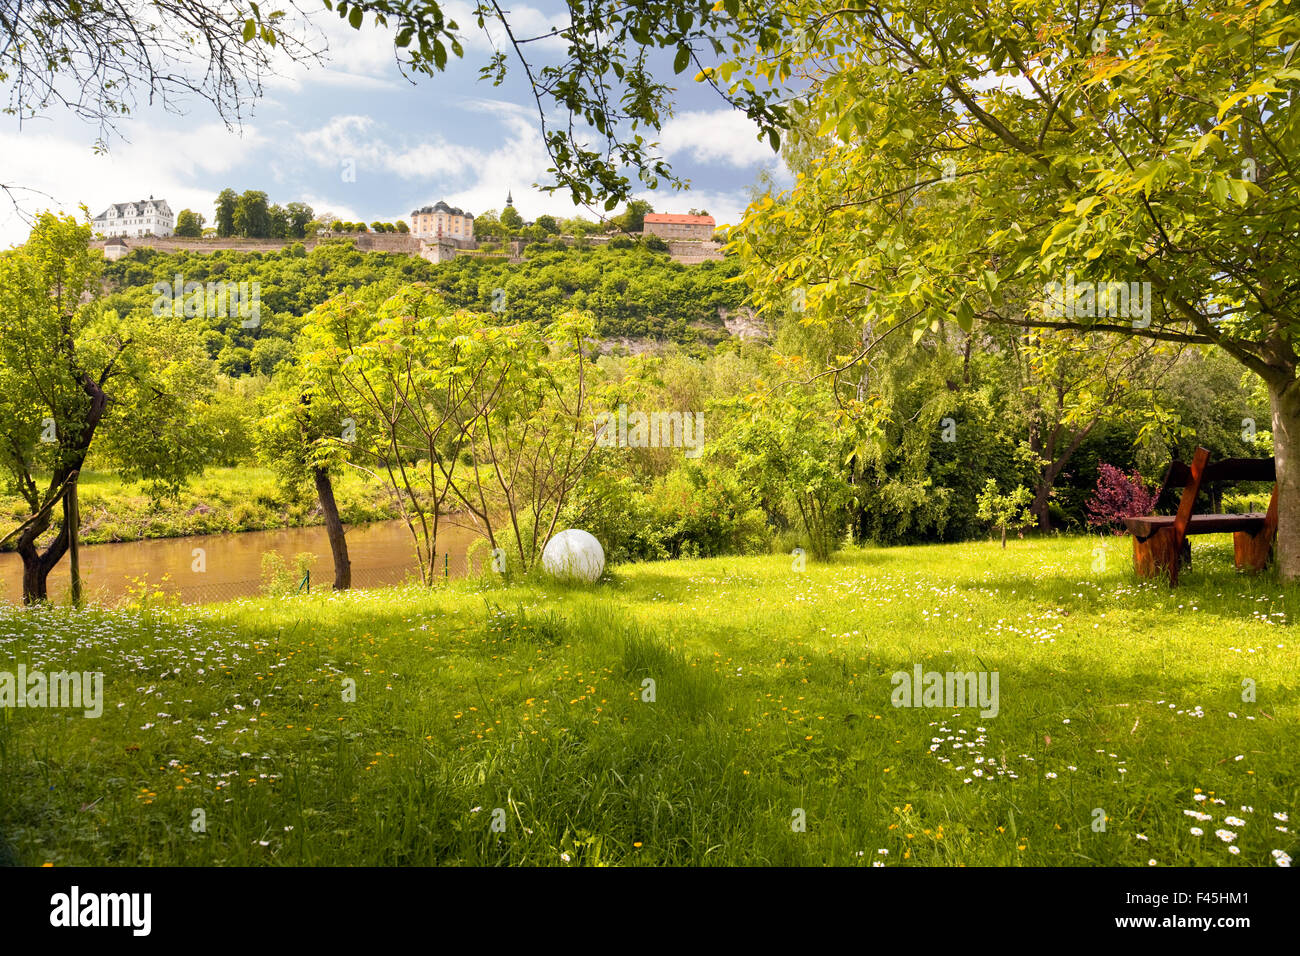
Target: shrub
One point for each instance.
(278, 579)
(1118, 496)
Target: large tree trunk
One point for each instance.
(1041, 509)
(75, 447)
(334, 528)
(1284, 396)
(37, 565)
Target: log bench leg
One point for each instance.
(1252, 551)
(1156, 556)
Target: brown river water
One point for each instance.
(382, 553)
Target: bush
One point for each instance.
(278, 579)
(1118, 496)
(683, 514)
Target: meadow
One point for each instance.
(725, 711)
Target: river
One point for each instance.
(220, 567)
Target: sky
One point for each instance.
(357, 139)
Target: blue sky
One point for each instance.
(450, 137)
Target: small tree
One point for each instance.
(1002, 511)
(189, 224)
(76, 377)
(1118, 496)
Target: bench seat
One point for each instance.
(1251, 522)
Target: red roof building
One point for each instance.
(676, 226)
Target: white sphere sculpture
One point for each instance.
(574, 555)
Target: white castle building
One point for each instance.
(148, 217)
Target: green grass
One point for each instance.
(772, 696)
(243, 498)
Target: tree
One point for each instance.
(511, 220)
(488, 226)
(597, 81)
(632, 218)
(397, 363)
(300, 214)
(92, 58)
(1135, 167)
(548, 225)
(304, 436)
(277, 222)
(252, 217)
(1067, 383)
(189, 224)
(577, 227)
(402, 227)
(227, 203)
(75, 376)
(1003, 511)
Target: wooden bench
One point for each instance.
(1160, 541)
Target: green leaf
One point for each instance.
(683, 58)
(1057, 231)
(250, 30)
(1219, 188)
(1209, 139)
(354, 18)
(965, 315)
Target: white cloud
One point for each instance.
(356, 139)
(62, 172)
(716, 136)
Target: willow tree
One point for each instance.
(1132, 163)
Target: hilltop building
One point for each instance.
(441, 221)
(674, 226)
(147, 217)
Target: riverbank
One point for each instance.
(728, 711)
(222, 500)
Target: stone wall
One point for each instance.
(366, 242)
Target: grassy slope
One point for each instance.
(772, 695)
(222, 499)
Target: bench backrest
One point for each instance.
(1225, 469)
